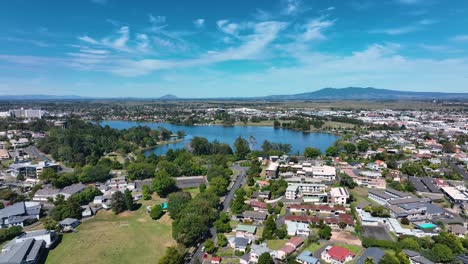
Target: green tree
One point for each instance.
(163, 183)
(140, 170)
(118, 202)
(222, 240)
(265, 258)
(202, 187)
(173, 255)
(331, 151)
(325, 232)
(156, 212)
(442, 253)
(350, 148)
(128, 200)
(241, 148)
(389, 258)
(363, 145)
(402, 258)
(312, 152)
(177, 202)
(209, 246)
(410, 243)
(50, 224)
(146, 192)
(200, 146)
(48, 175)
(218, 185)
(369, 260)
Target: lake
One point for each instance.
(228, 134)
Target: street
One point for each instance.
(238, 182)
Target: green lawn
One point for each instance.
(131, 237)
(355, 249)
(192, 191)
(313, 247)
(276, 244)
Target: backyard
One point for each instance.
(131, 237)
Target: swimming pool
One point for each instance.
(427, 225)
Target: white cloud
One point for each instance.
(88, 39)
(200, 22)
(118, 42)
(262, 15)
(440, 48)
(419, 25)
(331, 8)
(229, 28)
(156, 19)
(37, 43)
(410, 2)
(291, 7)
(99, 2)
(460, 38)
(313, 30)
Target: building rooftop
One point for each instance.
(306, 256)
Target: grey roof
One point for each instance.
(16, 253)
(35, 233)
(12, 210)
(397, 193)
(46, 191)
(255, 215)
(259, 249)
(407, 200)
(241, 241)
(34, 252)
(375, 253)
(421, 260)
(68, 222)
(74, 188)
(411, 253)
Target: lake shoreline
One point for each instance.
(255, 135)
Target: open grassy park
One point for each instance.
(131, 237)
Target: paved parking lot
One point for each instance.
(376, 232)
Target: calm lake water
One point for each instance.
(228, 134)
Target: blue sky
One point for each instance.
(115, 48)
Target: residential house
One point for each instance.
(338, 196)
(20, 214)
(28, 247)
(252, 216)
(256, 251)
(271, 171)
(4, 155)
(69, 224)
(247, 231)
(306, 257)
(337, 255)
(32, 171)
(48, 192)
(289, 247)
(239, 243)
(416, 257)
(458, 230)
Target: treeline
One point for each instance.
(441, 248)
(85, 143)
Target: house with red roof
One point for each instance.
(289, 247)
(215, 260)
(337, 255)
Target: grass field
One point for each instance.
(355, 249)
(314, 247)
(276, 244)
(131, 237)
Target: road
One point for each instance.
(33, 151)
(238, 182)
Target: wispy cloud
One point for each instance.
(460, 38)
(99, 2)
(440, 48)
(291, 7)
(313, 30)
(200, 22)
(419, 25)
(410, 2)
(37, 43)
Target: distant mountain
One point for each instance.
(369, 93)
(168, 97)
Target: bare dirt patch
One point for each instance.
(345, 237)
